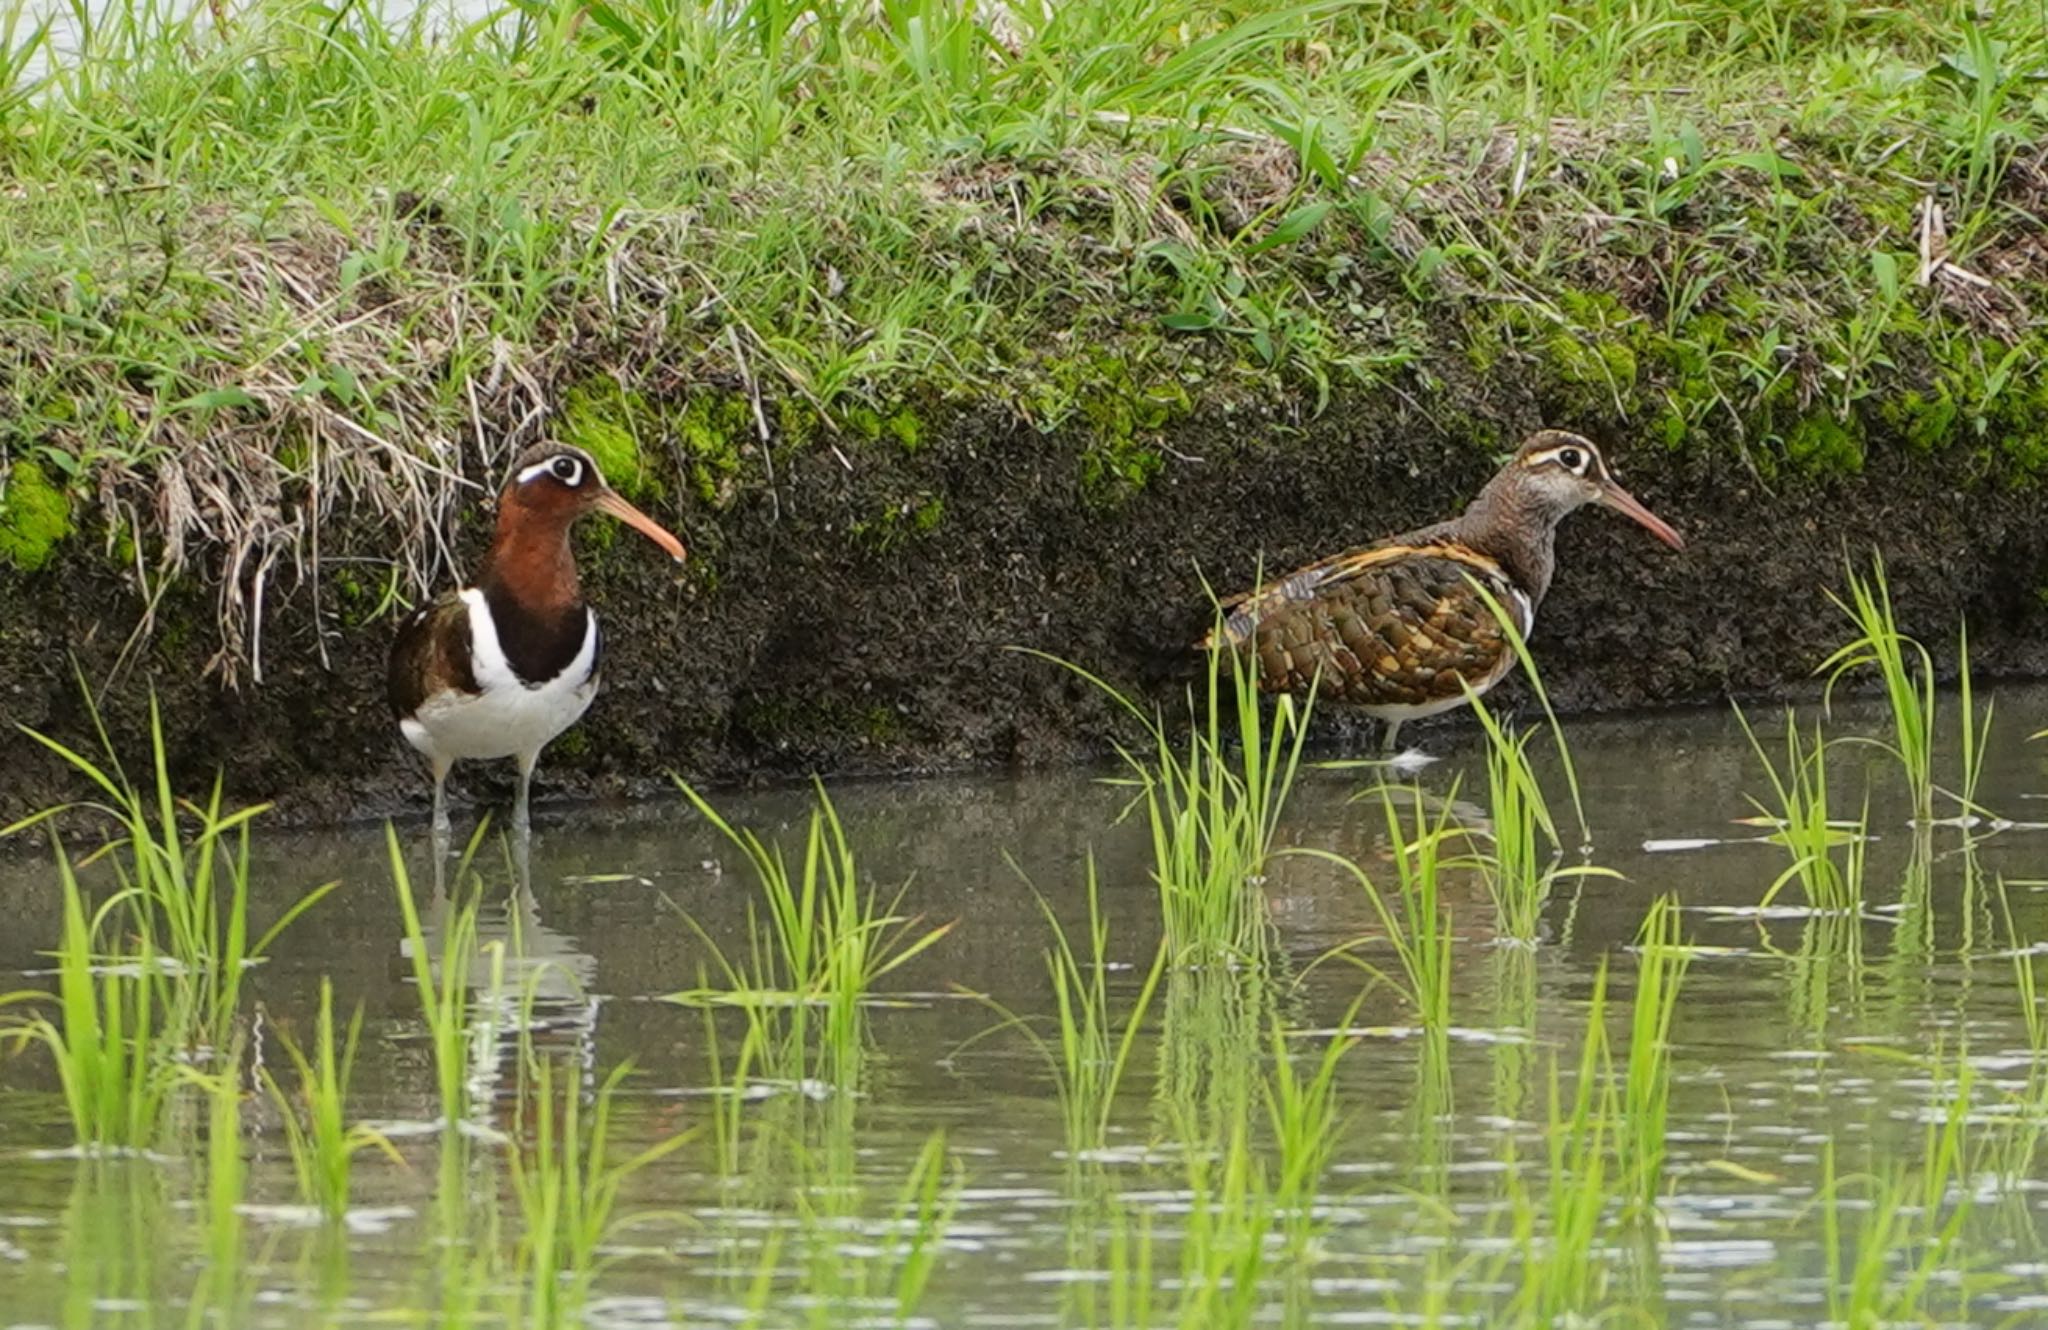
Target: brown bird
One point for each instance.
(500, 668)
(1398, 628)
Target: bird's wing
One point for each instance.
(1399, 624)
(430, 655)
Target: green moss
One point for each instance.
(901, 522)
(359, 597)
(713, 428)
(1821, 443)
(34, 516)
(1924, 420)
(903, 427)
(603, 419)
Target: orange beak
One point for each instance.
(610, 502)
(1621, 501)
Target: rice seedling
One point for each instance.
(1412, 921)
(1563, 1271)
(1907, 672)
(1213, 804)
(1092, 1052)
(441, 981)
(1525, 862)
(1227, 1256)
(888, 1270)
(816, 936)
(567, 1183)
(188, 891)
(1302, 1118)
(103, 1030)
(1867, 1286)
(323, 1145)
(1517, 781)
(1661, 961)
(1802, 821)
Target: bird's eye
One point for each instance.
(568, 470)
(1572, 460)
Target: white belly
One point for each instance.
(505, 717)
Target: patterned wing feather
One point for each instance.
(430, 655)
(1388, 626)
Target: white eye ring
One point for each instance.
(566, 469)
(1573, 460)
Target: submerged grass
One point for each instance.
(1802, 820)
(102, 1033)
(182, 876)
(567, 1179)
(817, 938)
(322, 1143)
(1213, 803)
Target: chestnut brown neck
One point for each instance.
(529, 582)
(531, 561)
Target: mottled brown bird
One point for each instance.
(1398, 628)
(500, 668)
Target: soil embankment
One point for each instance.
(857, 614)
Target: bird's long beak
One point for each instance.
(610, 502)
(1621, 501)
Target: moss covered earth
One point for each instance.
(932, 348)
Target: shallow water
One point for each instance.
(1788, 1036)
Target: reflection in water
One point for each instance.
(1793, 1031)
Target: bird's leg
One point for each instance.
(1389, 736)
(440, 825)
(522, 823)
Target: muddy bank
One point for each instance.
(857, 615)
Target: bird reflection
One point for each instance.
(527, 982)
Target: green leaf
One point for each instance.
(1190, 320)
(1294, 226)
(213, 399)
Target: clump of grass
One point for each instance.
(1412, 919)
(567, 1183)
(1802, 820)
(1213, 803)
(1564, 1274)
(1092, 1052)
(1173, 186)
(323, 1145)
(186, 890)
(441, 981)
(1661, 961)
(817, 937)
(1907, 672)
(103, 1031)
